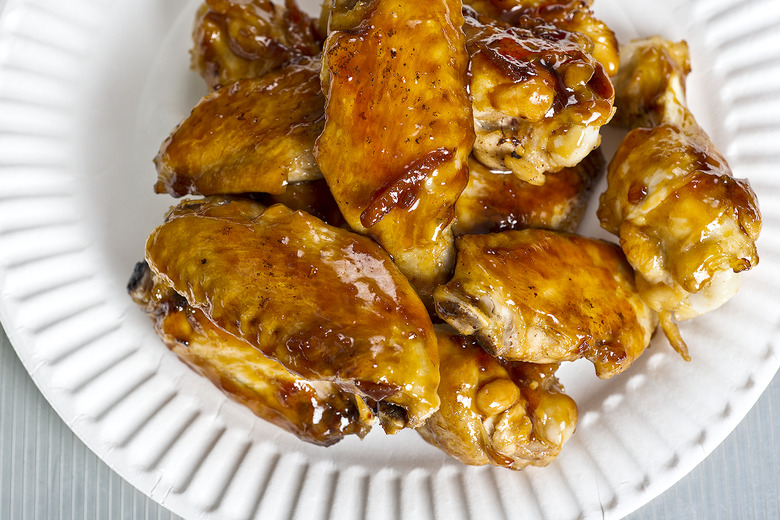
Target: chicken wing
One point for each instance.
(544, 297)
(327, 304)
(539, 98)
(235, 39)
(685, 223)
(398, 128)
(255, 135)
(571, 15)
(496, 201)
(510, 416)
(317, 412)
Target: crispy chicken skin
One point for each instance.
(255, 135)
(539, 98)
(497, 201)
(327, 304)
(398, 128)
(571, 15)
(544, 297)
(685, 223)
(317, 412)
(510, 416)
(235, 39)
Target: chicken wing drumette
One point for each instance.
(235, 39)
(539, 97)
(398, 127)
(327, 304)
(685, 223)
(571, 15)
(544, 297)
(317, 412)
(510, 415)
(497, 201)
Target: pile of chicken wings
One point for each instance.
(389, 196)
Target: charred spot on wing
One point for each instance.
(140, 279)
(391, 416)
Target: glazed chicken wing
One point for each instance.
(398, 128)
(685, 223)
(544, 297)
(327, 304)
(539, 98)
(571, 15)
(235, 39)
(496, 201)
(317, 412)
(510, 416)
(255, 135)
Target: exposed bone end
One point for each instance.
(672, 333)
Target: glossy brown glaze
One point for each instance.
(497, 201)
(544, 297)
(317, 412)
(686, 225)
(510, 416)
(327, 304)
(255, 135)
(571, 15)
(398, 128)
(539, 98)
(235, 39)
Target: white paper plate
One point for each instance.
(89, 88)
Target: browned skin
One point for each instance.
(511, 416)
(572, 15)
(686, 225)
(313, 197)
(317, 412)
(235, 39)
(327, 304)
(545, 297)
(539, 97)
(255, 135)
(398, 129)
(496, 201)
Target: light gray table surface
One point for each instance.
(46, 472)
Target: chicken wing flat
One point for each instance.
(317, 412)
(571, 15)
(685, 223)
(497, 201)
(539, 98)
(255, 135)
(327, 304)
(544, 297)
(235, 39)
(398, 128)
(510, 416)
